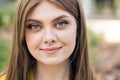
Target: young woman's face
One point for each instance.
(50, 34)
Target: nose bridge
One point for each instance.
(49, 32)
(49, 35)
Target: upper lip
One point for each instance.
(50, 49)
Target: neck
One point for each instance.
(52, 72)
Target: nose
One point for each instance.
(49, 37)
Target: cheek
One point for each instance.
(32, 41)
(71, 39)
(69, 36)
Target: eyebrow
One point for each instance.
(36, 20)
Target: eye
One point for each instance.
(62, 23)
(34, 27)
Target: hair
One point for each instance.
(21, 61)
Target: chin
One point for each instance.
(52, 62)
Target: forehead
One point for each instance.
(47, 10)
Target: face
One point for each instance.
(50, 34)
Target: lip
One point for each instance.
(51, 50)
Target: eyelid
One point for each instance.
(34, 27)
(29, 23)
(61, 24)
(63, 21)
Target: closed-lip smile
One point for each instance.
(51, 50)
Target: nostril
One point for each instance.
(51, 41)
(45, 41)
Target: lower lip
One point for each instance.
(51, 51)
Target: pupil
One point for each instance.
(35, 26)
(61, 23)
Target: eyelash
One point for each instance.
(32, 26)
(64, 23)
(36, 27)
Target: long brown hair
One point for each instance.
(21, 61)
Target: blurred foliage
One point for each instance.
(4, 51)
(94, 58)
(7, 14)
(94, 40)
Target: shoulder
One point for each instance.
(3, 77)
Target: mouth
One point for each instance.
(51, 50)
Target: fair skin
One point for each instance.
(51, 36)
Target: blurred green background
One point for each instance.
(4, 52)
(6, 13)
(7, 8)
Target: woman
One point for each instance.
(50, 42)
